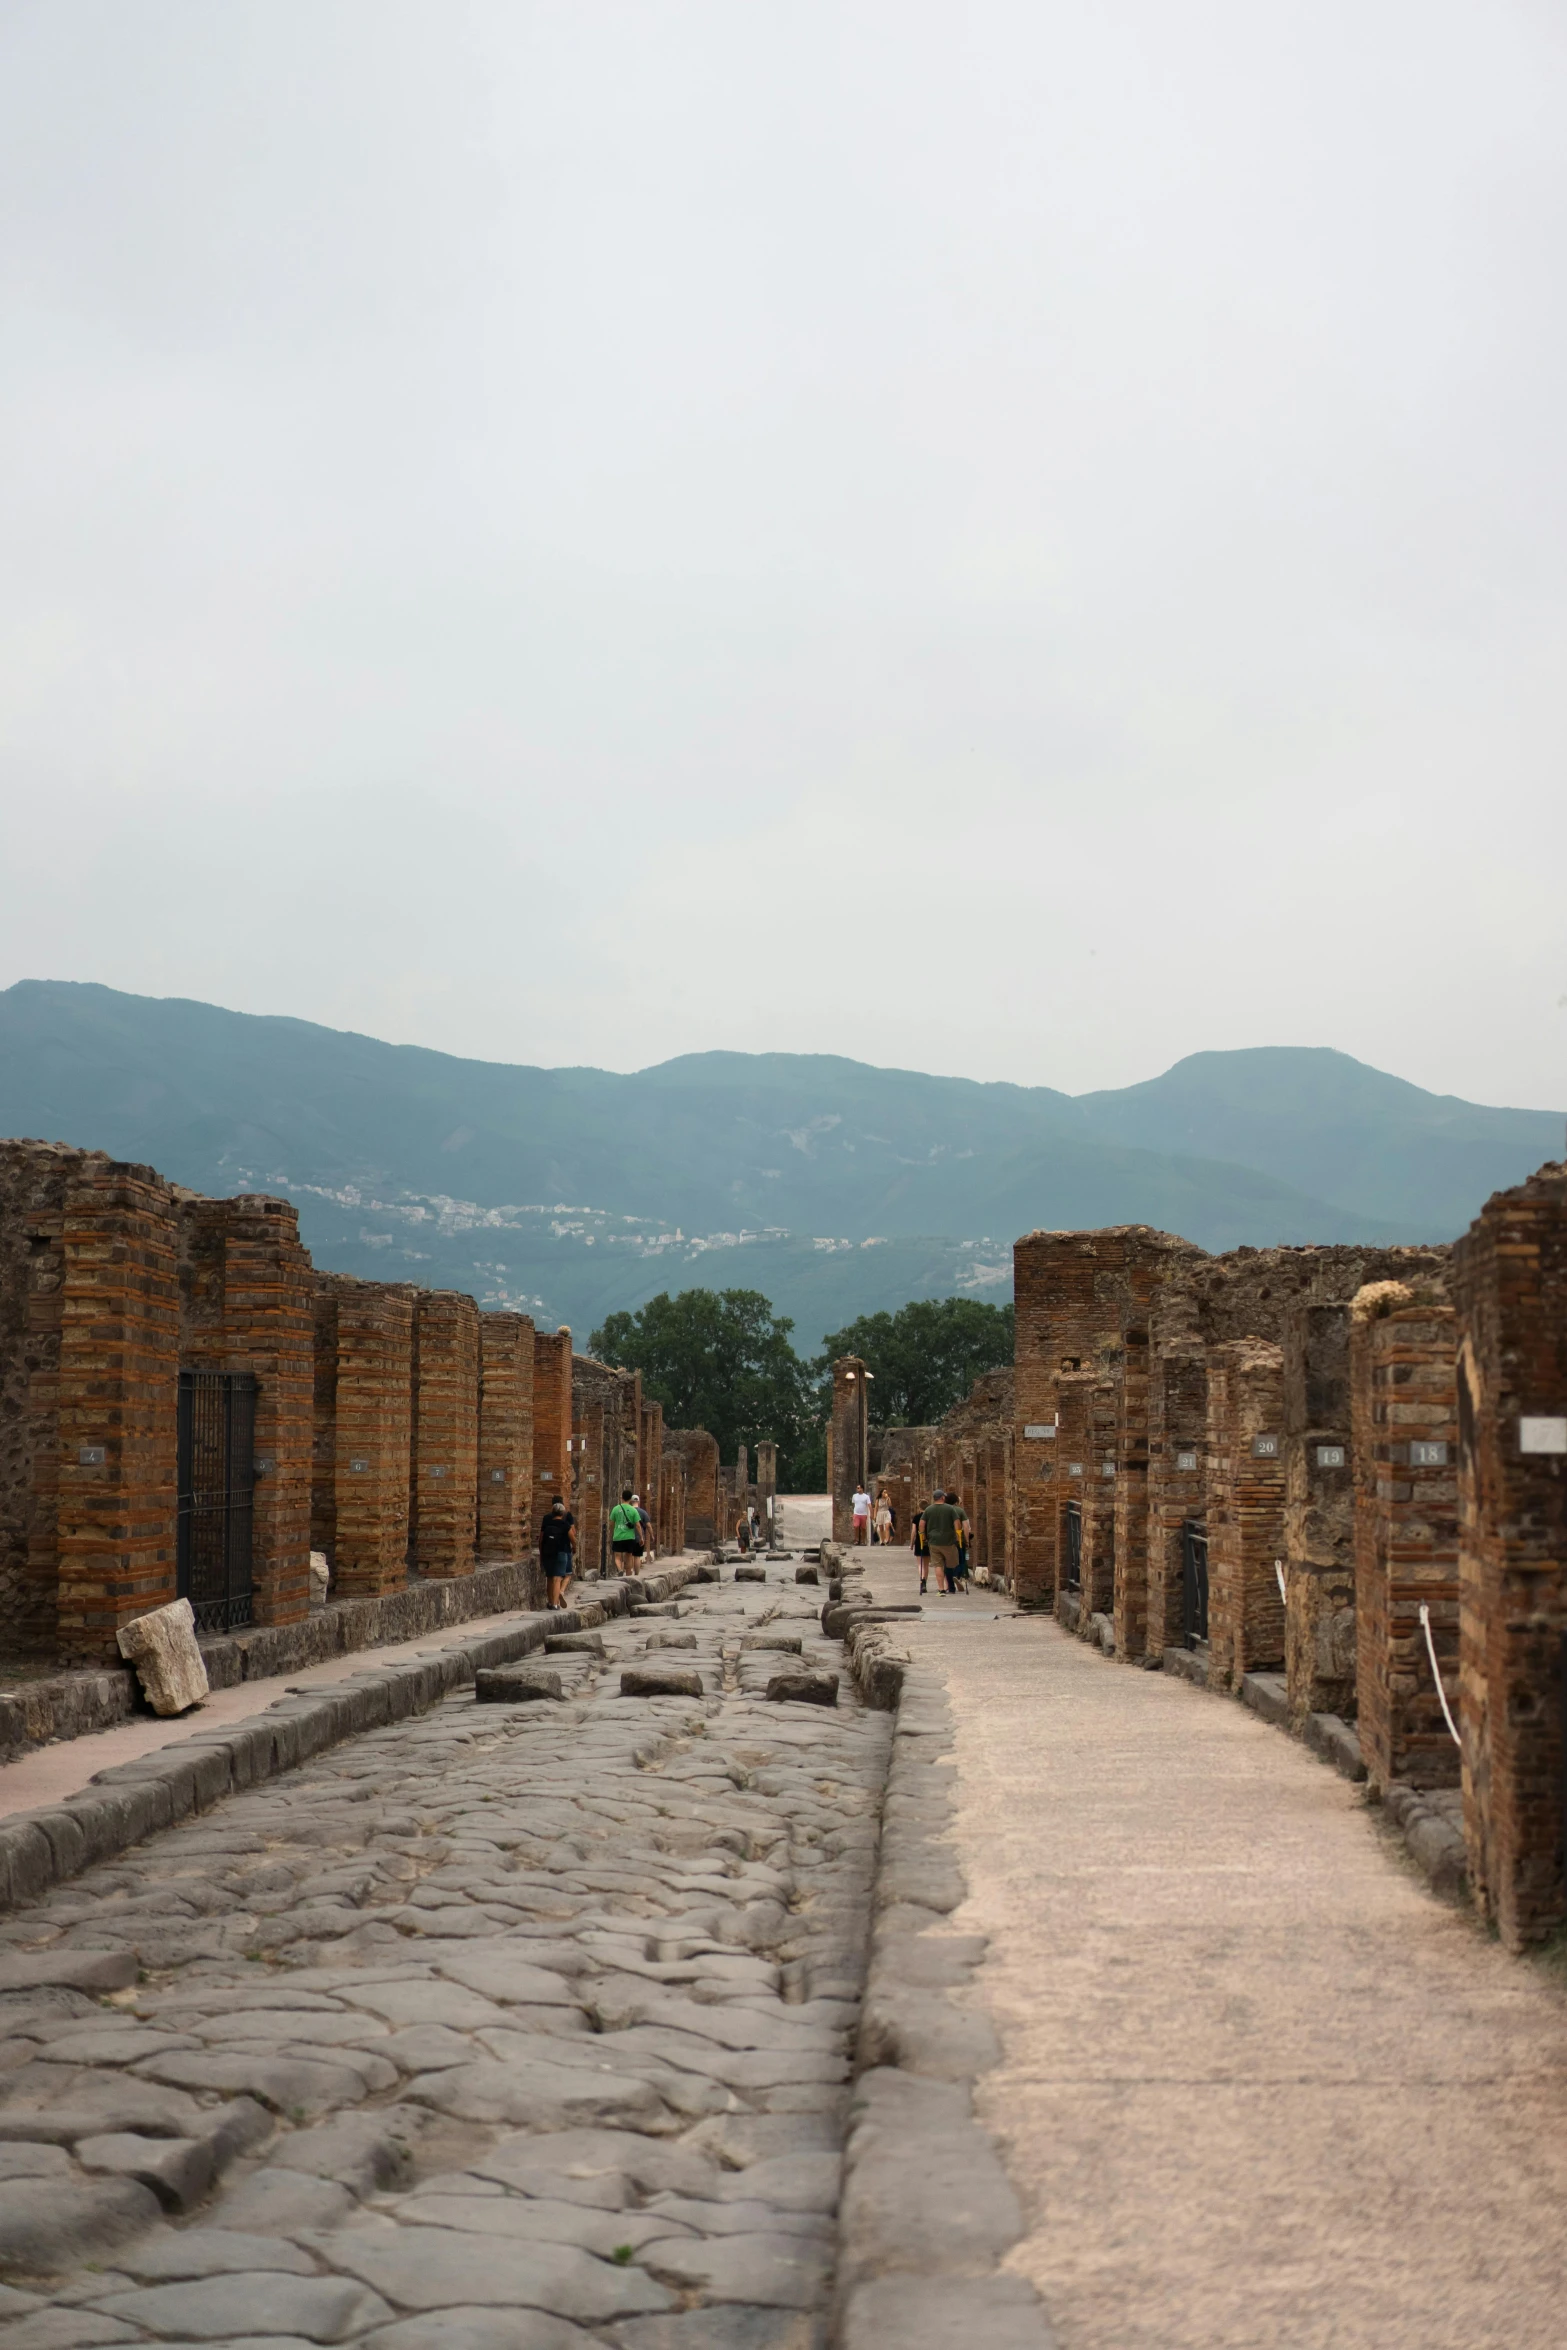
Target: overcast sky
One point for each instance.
(1021, 538)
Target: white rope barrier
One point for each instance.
(1436, 1672)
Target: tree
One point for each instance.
(925, 1357)
(719, 1360)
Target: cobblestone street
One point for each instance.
(518, 2024)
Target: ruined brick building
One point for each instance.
(187, 1407)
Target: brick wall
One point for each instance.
(1404, 1403)
(698, 1455)
(116, 1405)
(1098, 1502)
(1130, 1606)
(1319, 1511)
(445, 1459)
(505, 1436)
(34, 1179)
(1510, 1288)
(364, 1432)
(1069, 1469)
(551, 1420)
(595, 1459)
(1245, 1509)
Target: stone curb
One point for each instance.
(927, 2211)
(131, 1800)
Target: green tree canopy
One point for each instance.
(720, 1360)
(925, 1357)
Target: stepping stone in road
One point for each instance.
(671, 1640)
(658, 1607)
(660, 1681)
(514, 1684)
(807, 1575)
(750, 1574)
(803, 1688)
(574, 1644)
(788, 1641)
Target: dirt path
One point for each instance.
(1260, 2087)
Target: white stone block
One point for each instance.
(162, 1647)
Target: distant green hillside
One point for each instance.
(576, 1191)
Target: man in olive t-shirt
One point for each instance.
(942, 1520)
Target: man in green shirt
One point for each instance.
(942, 1520)
(625, 1532)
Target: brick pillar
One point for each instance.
(445, 1458)
(1071, 1474)
(34, 1180)
(1404, 1393)
(505, 1436)
(1131, 1501)
(551, 1420)
(1245, 1509)
(1098, 1501)
(652, 1487)
(269, 1291)
(1177, 1480)
(364, 1428)
(767, 1484)
(849, 1449)
(1510, 1289)
(588, 1500)
(1319, 1512)
(116, 1406)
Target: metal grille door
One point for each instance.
(217, 1419)
(1194, 1580)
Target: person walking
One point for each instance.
(861, 1505)
(557, 1539)
(625, 1532)
(962, 1531)
(942, 1518)
(919, 1547)
(645, 1524)
(883, 1517)
(755, 1524)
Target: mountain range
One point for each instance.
(834, 1186)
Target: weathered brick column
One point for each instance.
(34, 1180)
(1070, 1471)
(767, 1484)
(269, 1288)
(1098, 1497)
(551, 1420)
(117, 1385)
(1130, 1608)
(1319, 1512)
(698, 1454)
(505, 1436)
(445, 1471)
(364, 1432)
(1177, 1480)
(1510, 1289)
(595, 1461)
(650, 1455)
(847, 1455)
(1245, 1510)
(1404, 1391)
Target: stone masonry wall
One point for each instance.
(116, 1406)
(551, 1420)
(1404, 1390)
(444, 1508)
(1245, 1509)
(1319, 1511)
(505, 1437)
(1177, 1479)
(1510, 1288)
(848, 1455)
(34, 1179)
(698, 1454)
(364, 1431)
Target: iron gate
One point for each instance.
(1194, 1580)
(1074, 1546)
(217, 1477)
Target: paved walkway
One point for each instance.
(1260, 2087)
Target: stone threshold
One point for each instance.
(131, 1800)
(80, 1702)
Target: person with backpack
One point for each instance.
(625, 1532)
(942, 1517)
(645, 1524)
(961, 1579)
(556, 1540)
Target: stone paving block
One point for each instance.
(788, 1643)
(516, 1685)
(727, 2327)
(671, 1640)
(484, 2329)
(314, 2309)
(803, 1689)
(184, 2253)
(178, 2170)
(436, 2268)
(46, 2225)
(659, 1681)
(574, 1644)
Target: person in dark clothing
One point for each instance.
(557, 1540)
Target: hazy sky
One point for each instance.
(1014, 537)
